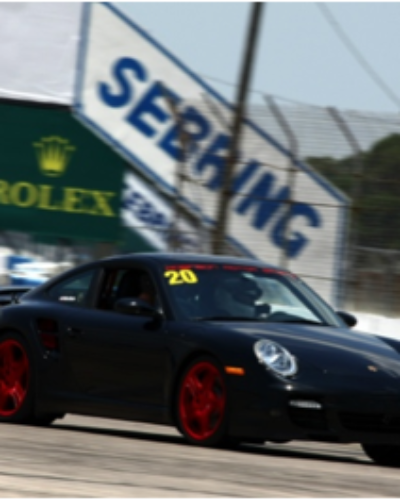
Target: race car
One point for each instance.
(228, 350)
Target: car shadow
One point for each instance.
(268, 449)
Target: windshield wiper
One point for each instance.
(228, 318)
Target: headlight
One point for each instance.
(274, 356)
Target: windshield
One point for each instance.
(244, 293)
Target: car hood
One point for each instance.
(335, 351)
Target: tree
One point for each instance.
(372, 181)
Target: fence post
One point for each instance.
(356, 189)
(292, 170)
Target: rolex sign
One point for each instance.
(56, 178)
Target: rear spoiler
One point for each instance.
(11, 294)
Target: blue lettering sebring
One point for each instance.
(192, 119)
(295, 244)
(151, 117)
(242, 177)
(150, 105)
(121, 67)
(266, 205)
(216, 161)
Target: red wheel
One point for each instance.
(14, 376)
(202, 401)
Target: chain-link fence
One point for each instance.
(358, 153)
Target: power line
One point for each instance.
(294, 101)
(356, 53)
(256, 91)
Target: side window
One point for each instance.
(127, 283)
(109, 288)
(74, 290)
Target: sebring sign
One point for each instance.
(148, 213)
(122, 85)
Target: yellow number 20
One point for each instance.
(181, 277)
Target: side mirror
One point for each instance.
(135, 307)
(348, 318)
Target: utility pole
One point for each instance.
(218, 242)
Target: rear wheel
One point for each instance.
(201, 403)
(17, 396)
(383, 454)
(16, 384)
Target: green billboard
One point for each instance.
(57, 179)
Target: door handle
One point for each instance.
(74, 332)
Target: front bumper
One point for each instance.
(364, 417)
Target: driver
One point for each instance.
(241, 296)
(148, 292)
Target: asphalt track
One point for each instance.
(85, 457)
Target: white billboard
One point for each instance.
(148, 213)
(122, 85)
(39, 43)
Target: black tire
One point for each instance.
(45, 420)
(387, 455)
(233, 443)
(201, 403)
(17, 384)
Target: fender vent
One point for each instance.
(47, 329)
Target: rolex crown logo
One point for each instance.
(53, 154)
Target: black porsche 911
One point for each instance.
(225, 349)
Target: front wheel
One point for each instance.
(383, 454)
(201, 403)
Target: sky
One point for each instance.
(299, 55)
